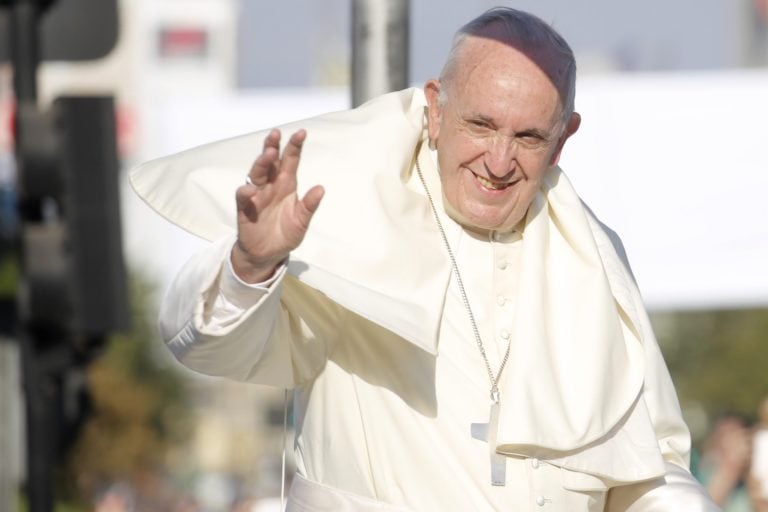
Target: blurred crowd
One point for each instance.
(734, 462)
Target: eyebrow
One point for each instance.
(484, 118)
(535, 132)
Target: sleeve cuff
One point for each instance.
(244, 295)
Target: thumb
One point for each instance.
(312, 198)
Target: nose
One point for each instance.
(500, 157)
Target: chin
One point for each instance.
(494, 218)
(483, 217)
(489, 224)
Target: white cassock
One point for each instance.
(368, 327)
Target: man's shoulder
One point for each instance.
(604, 235)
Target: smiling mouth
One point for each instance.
(490, 184)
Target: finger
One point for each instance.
(264, 167)
(244, 197)
(312, 198)
(272, 140)
(306, 208)
(292, 153)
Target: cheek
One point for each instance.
(466, 152)
(526, 195)
(454, 189)
(536, 166)
(449, 179)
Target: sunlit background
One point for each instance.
(671, 154)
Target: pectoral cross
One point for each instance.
(487, 432)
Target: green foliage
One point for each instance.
(139, 411)
(718, 359)
(9, 274)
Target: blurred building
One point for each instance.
(205, 47)
(238, 440)
(753, 31)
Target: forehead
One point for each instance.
(491, 74)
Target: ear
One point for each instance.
(434, 110)
(573, 125)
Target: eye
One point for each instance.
(531, 139)
(479, 125)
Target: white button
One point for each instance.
(540, 501)
(504, 334)
(501, 300)
(535, 463)
(503, 263)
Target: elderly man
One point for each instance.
(459, 331)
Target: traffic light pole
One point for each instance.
(39, 382)
(41, 390)
(72, 287)
(25, 48)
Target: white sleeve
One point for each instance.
(678, 490)
(235, 296)
(216, 325)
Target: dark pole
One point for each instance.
(67, 198)
(40, 388)
(380, 30)
(25, 49)
(39, 384)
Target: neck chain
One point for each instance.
(495, 397)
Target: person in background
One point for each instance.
(724, 463)
(758, 472)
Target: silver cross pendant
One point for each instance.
(487, 432)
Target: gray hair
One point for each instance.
(531, 34)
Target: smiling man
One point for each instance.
(459, 331)
(499, 117)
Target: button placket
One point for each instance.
(545, 487)
(505, 260)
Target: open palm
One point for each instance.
(271, 219)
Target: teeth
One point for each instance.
(489, 184)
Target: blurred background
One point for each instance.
(674, 101)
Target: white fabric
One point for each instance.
(370, 463)
(675, 491)
(759, 466)
(386, 385)
(234, 297)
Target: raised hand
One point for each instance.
(271, 219)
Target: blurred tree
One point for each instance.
(718, 359)
(139, 415)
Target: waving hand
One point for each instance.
(271, 219)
